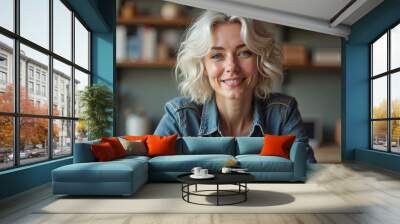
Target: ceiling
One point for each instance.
(333, 17)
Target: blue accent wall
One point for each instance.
(99, 16)
(355, 140)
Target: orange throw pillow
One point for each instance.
(103, 151)
(275, 145)
(135, 138)
(116, 145)
(161, 145)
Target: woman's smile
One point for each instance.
(232, 82)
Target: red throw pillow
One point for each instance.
(275, 145)
(161, 145)
(103, 151)
(116, 145)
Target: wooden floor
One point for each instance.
(377, 189)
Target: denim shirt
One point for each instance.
(277, 115)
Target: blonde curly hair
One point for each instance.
(197, 43)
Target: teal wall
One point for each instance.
(355, 104)
(99, 15)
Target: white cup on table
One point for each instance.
(196, 170)
(203, 172)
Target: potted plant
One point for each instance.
(97, 104)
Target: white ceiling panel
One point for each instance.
(319, 9)
(315, 15)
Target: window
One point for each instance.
(30, 87)
(3, 61)
(3, 71)
(43, 77)
(3, 78)
(38, 89)
(43, 90)
(30, 72)
(55, 126)
(385, 91)
(37, 75)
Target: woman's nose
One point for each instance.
(231, 65)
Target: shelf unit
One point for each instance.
(171, 62)
(179, 23)
(154, 21)
(146, 64)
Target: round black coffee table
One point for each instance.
(238, 179)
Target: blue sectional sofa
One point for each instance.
(125, 176)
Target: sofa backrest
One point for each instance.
(249, 145)
(206, 145)
(83, 153)
(190, 146)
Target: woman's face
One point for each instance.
(230, 66)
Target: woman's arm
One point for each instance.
(168, 124)
(294, 125)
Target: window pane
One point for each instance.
(34, 97)
(379, 135)
(379, 55)
(81, 45)
(6, 74)
(395, 94)
(33, 140)
(81, 131)
(6, 142)
(62, 138)
(62, 89)
(81, 81)
(379, 100)
(395, 136)
(395, 47)
(35, 21)
(7, 14)
(62, 29)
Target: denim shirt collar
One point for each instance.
(209, 124)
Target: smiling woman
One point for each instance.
(226, 68)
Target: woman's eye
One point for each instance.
(216, 56)
(245, 53)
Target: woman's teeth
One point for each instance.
(232, 82)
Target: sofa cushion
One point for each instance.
(249, 145)
(161, 145)
(134, 147)
(103, 152)
(185, 163)
(257, 163)
(277, 145)
(111, 171)
(116, 145)
(206, 145)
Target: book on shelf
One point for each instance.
(142, 44)
(121, 43)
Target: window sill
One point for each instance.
(26, 167)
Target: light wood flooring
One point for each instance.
(378, 189)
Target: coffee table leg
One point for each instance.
(245, 191)
(196, 188)
(217, 194)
